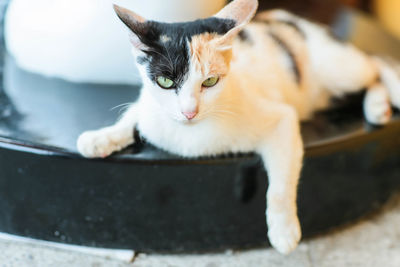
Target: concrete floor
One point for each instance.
(374, 241)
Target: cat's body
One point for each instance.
(269, 75)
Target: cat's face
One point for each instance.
(183, 65)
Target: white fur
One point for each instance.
(255, 107)
(377, 107)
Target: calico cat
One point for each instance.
(222, 84)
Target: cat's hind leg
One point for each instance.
(103, 142)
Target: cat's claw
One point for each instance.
(284, 233)
(100, 143)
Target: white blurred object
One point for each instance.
(83, 40)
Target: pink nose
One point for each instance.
(190, 115)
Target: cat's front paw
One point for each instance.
(284, 232)
(101, 143)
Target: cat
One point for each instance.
(225, 84)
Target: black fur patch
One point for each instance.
(245, 37)
(170, 57)
(294, 26)
(289, 53)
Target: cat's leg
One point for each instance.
(101, 143)
(362, 71)
(282, 154)
(389, 71)
(377, 109)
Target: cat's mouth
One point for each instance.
(189, 122)
(186, 121)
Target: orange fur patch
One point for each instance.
(206, 56)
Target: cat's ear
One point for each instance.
(135, 23)
(240, 11)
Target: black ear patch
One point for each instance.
(167, 51)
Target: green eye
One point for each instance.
(164, 82)
(210, 81)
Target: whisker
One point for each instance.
(120, 105)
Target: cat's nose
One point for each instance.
(190, 114)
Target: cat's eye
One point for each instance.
(165, 82)
(210, 81)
